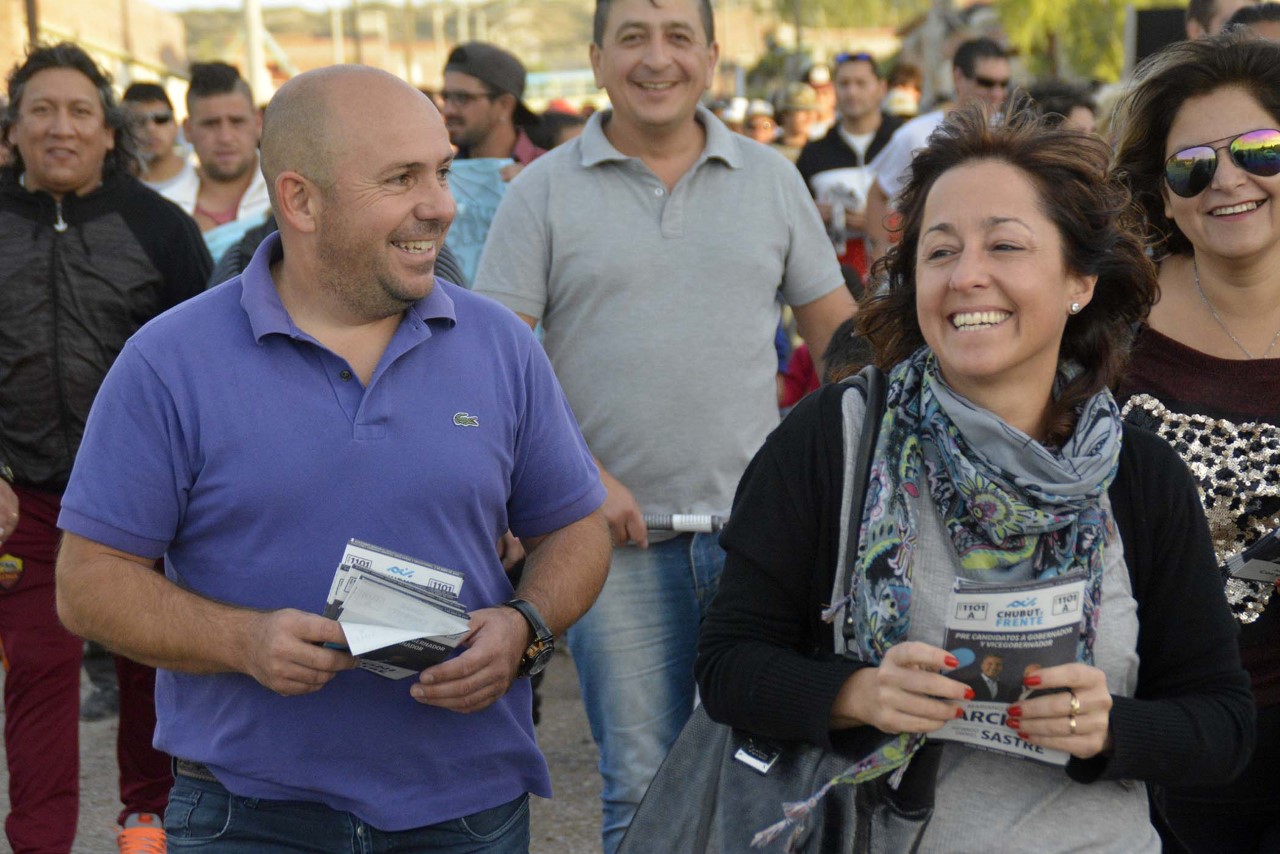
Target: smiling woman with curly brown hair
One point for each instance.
(1001, 458)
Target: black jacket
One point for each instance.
(77, 278)
(832, 152)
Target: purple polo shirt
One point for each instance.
(234, 444)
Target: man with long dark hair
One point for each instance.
(87, 256)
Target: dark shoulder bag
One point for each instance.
(719, 786)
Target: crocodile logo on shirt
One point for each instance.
(462, 419)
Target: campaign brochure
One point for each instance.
(401, 615)
(1001, 633)
(1258, 562)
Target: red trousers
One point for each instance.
(42, 698)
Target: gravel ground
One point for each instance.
(567, 824)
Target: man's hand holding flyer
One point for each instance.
(400, 615)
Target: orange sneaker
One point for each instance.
(143, 833)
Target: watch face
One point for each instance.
(535, 661)
(538, 653)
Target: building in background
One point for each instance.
(131, 39)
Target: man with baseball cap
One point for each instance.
(819, 79)
(798, 109)
(483, 85)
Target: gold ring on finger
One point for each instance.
(1071, 722)
(1075, 707)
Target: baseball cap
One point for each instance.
(736, 112)
(798, 96)
(818, 75)
(495, 67)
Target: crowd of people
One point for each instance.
(505, 343)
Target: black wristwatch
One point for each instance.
(539, 652)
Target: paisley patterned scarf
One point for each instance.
(1007, 502)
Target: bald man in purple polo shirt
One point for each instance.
(335, 390)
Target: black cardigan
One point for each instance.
(765, 662)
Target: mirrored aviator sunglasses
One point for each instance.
(1190, 171)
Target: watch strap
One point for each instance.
(539, 650)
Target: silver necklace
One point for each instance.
(1204, 299)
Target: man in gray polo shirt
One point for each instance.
(653, 248)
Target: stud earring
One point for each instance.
(1075, 308)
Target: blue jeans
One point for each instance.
(204, 815)
(634, 652)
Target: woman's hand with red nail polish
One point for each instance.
(904, 693)
(1052, 721)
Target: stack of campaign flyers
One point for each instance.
(401, 615)
(1001, 633)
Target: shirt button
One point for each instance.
(658, 191)
(345, 375)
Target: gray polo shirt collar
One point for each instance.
(722, 144)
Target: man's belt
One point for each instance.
(194, 770)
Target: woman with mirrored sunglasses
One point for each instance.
(1198, 142)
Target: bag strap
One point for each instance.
(871, 382)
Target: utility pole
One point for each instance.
(464, 22)
(410, 36)
(355, 31)
(795, 12)
(935, 34)
(335, 30)
(255, 52)
(33, 21)
(437, 25)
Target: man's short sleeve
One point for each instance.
(813, 270)
(129, 484)
(515, 264)
(551, 460)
